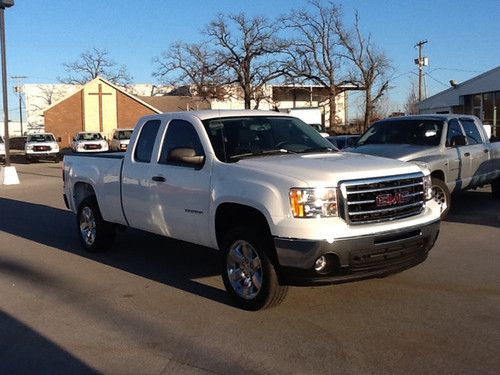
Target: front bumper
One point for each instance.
(354, 258)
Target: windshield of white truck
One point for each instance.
(235, 138)
(41, 138)
(123, 134)
(409, 132)
(89, 137)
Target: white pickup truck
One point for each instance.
(283, 205)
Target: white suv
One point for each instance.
(41, 146)
(120, 139)
(2, 149)
(89, 142)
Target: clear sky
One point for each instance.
(463, 35)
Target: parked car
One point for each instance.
(120, 139)
(343, 141)
(2, 149)
(17, 145)
(282, 204)
(41, 146)
(455, 148)
(89, 142)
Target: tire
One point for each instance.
(248, 273)
(56, 159)
(95, 234)
(495, 188)
(442, 196)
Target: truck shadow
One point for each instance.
(23, 350)
(171, 262)
(475, 207)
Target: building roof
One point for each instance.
(133, 97)
(171, 103)
(485, 82)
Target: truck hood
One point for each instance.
(328, 168)
(401, 152)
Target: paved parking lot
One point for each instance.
(153, 305)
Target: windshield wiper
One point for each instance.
(318, 149)
(262, 153)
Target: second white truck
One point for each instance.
(282, 204)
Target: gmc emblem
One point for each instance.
(383, 200)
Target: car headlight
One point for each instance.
(29, 147)
(313, 202)
(427, 180)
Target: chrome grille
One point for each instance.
(382, 199)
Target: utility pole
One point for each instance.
(421, 62)
(18, 89)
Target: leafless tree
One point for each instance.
(248, 48)
(410, 105)
(315, 54)
(192, 65)
(47, 96)
(370, 67)
(92, 64)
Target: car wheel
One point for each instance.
(495, 188)
(56, 159)
(442, 196)
(95, 234)
(248, 273)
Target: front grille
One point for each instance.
(382, 199)
(92, 147)
(41, 148)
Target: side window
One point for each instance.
(453, 130)
(470, 128)
(180, 134)
(146, 141)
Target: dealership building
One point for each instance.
(479, 96)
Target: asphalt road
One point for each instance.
(157, 306)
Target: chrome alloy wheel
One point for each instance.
(88, 226)
(244, 269)
(440, 197)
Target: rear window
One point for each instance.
(146, 141)
(470, 128)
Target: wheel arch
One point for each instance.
(231, 215)
(81, 191)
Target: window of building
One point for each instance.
(470, 128)
(488, 104)
(180, 134)
(146, 141)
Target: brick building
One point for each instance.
(98, 106)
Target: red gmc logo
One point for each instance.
(383, 200)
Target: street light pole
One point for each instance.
(8, 174)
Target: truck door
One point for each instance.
(180, 187)
(136, 178)
(455, 156)
(478, 152)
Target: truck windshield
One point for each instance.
(234, 138)
(89, 137)
(41, 138)
(124, 134)
(411, 132)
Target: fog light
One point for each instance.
(320, 264)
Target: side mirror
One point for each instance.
(185, 156)
(59, 139)
(458, 140)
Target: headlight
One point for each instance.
(80, 146)
(29, 147)
(427, 187)
(313, 202)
